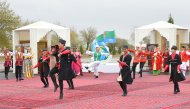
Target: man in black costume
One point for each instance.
(66, 72)
(175, 61)
(125, 72)
(54, 65)
(43, 64)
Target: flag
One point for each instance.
(100, 37)
(110, 37)
(110, 34)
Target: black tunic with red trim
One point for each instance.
(44, 66)
(66, 72)
(174, 65)
(125, 71)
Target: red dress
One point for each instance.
(156, 60)
(77, 66)
(165, 57)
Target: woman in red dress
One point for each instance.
(77, 67)
(165, 58)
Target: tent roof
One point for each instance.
(41, 25)
(161, 24)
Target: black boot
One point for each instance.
(124, 90)
(53, 78)
(6, 77)
(72, 85)
(178, 90)
(47, 83)
(95, 76)
(61, 95)
(55, 88)
(175, 89)
(140, 73)
(133, 75)
(61, 89)
(43, 81)
(124, 93)
(69, 84)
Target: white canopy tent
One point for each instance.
(174, 34)
(33, 33)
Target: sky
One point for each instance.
(119, 15)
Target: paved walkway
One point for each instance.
(149, 92)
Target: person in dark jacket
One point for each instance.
(43, 64)
(71, 57)
(66, 72)
(175, 61)
(54, 65)
(125, 71)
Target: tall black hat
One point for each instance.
(62, 41)
(174, 47)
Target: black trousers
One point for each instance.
(70, 83)
(44, 78)
(123, 86)
(61, 86)
(7, 71)
(18, 72)
(134, 69)
(53, 77)
(141, 68)
(176, 86)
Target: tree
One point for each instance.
(170, 20)
(81, 49)
(74, 38)
(119, 50)
(88, 36)
(25, 22)
(120, 42)
(8, 22)
(146, 40)
(114, 51)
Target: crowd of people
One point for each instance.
(66, 63)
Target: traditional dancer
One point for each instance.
(19, 64)
(43, 64)
(184, 58)
(94, 65)
(143, 57)
(165, 58)
(54, 65)
(156, 62)
(136, 60)
(28, 63)
(125, 73)
(76, 67)
(160, 57)
(66, 72)
(175, 61)
(8, 62)
(71, 57)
